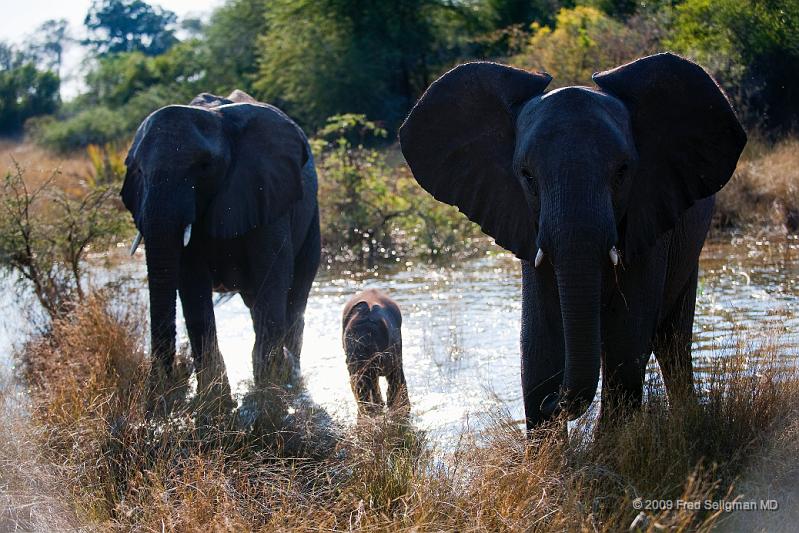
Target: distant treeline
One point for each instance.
(319, 58)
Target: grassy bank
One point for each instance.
(764, 191)
(77, 452)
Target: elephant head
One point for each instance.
(198, 173)
(577, 177)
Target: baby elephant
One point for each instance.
(373, 344)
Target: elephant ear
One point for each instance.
(268, 152)
(687, 137)
(132, 192)
(459, 142)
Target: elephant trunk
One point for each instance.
(163, 262)
(579, 287)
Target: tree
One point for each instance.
(583, 41)
(752, 47)
(25, 91)
(505, 13)
(232, 42)
(129, 25)
(52, 36)
(325, 57)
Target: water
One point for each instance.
(461, 327)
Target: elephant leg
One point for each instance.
(376, 393)
(269, 322)
(629, 320)
(622, 385)
(306, 263)
(625, 355)
(364, 381)
(270, 262)
(198, 311)
(672, 344)
(542, 346)
(397, 394)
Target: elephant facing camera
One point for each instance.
(224, 194)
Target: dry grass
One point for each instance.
(764, 191)
(39, 164)
(81, 453)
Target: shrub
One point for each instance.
(585, 40)
(372, 210)
(97, 125)
(46, 235)
(752, 47)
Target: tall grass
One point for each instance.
(81, 452)
(764, 191)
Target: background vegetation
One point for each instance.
(323, 58)
(349, 70)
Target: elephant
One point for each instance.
(371, 333)
(605, 194)
(224, 193)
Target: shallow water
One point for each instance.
(461, 327)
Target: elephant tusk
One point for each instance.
(539, 257)
(136, 242)
(187, 235)
(614, 256)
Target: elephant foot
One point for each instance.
(281, 368)
(167, 387)
(213, 388)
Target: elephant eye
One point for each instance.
(527, 174)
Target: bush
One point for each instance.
(752, 48)
(97, 125)
(25, 91)
(46, 235)
(371, 210)
(585, 40)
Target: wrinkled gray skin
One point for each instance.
(577, 177)
(372, 338)
(241, 174)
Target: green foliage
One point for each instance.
(503, 13)
(95, 125)
(583, 41)
(25, 90)
(45, 236)
(124, 89)
(129, 25)
(119, 78)
(319, 58)
(371, 210)
(231, 39)
(359, 199)
(752, 47)
(615, 8)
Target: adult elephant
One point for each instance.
(606, 196)
(224, 193)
